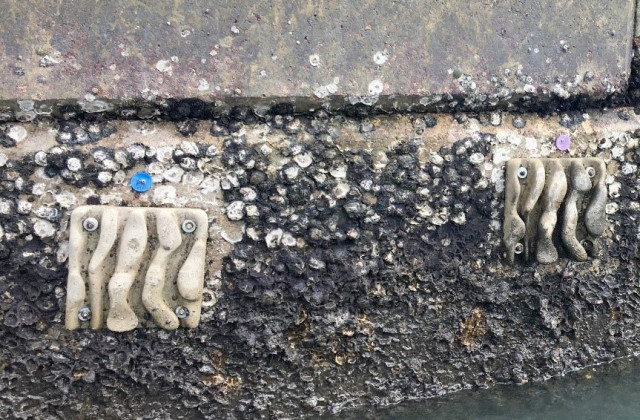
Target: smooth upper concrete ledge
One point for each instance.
(396, 55)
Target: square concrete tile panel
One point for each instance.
(131, 267)
(402, 54)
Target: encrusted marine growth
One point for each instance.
(541, 194)
(130, 265)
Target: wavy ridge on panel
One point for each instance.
(553, 208)
(135, 267)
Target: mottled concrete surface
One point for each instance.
(365, 268)
(393, 55)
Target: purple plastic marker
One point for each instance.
(563, 142)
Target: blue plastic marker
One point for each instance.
(141, 182)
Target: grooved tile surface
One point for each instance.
(554, 207)
(131, 267)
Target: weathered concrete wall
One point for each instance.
(365, 266)
(394, 55)
(386, 283)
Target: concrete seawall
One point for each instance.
(355, 251)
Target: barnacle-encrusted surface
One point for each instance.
(351, 261)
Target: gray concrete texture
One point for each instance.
(395, 55)
(349, 263)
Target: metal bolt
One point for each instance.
(519, 248)
(189, 226)
(90, 224)
(591, 171)
(587, 245)
(84, 314)
(522, 172)
(182, 312)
